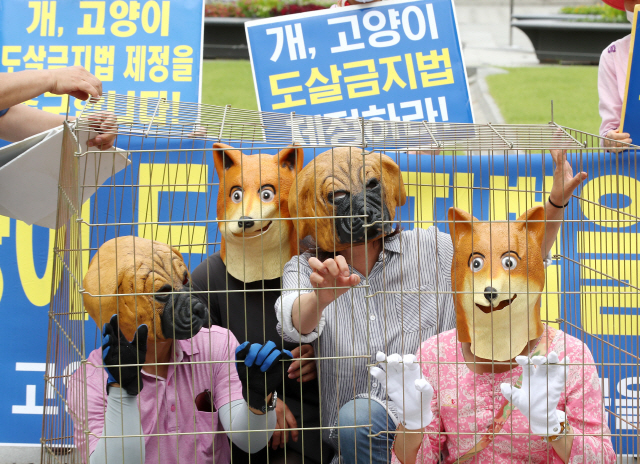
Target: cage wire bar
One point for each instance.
(168, 193)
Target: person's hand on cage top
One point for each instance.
(543, 381)
(564, 182)
(330, 274)
(406, 387)
(105, 125)
(260, 371)
(304, 369)
(75, 81)
(118, 354)
(285, 420)
(618, 139)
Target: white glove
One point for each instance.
(406, 388)
(543, 381)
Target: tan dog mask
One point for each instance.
(128, 266)
(252, 197)
(336, 184)
(497, 276)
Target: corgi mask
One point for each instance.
(497, 275)
(257, 236)
(342, 183)
(143, 273)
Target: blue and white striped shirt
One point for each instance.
(404, 307)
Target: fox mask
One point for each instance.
(144, 282)
(497, 277)
(342, 183)
(252, 203)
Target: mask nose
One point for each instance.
(246, 222)
(490, 294)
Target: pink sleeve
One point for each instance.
(96, 404)
(591, 442)
(610, 105)
(432, 441)
(227, 386)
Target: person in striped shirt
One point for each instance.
(386, 292)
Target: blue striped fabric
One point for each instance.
(411, 302)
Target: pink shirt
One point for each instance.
(465, 402)
(612, 80)
(167, 405)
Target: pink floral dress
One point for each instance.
(464, 404)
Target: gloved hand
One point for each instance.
(117, 350)
(261, 371)
(407, 388)
(543, 381)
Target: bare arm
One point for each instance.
(407, 444)
(24, 85)
(326, 276)
(564, 183)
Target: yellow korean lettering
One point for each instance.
(550, 299)
(182, 63)
(616, 243)
(44, 15)
(122, 27)
(151, 104)
(163, 178)
(80, 52)
(59, 109)
(37, 57)
(433, 62)
(104, 59)
(286, 91)
(10, 62)
(62, 59)
(164, 28)
(413, 84)
(362, 81)
(324, 93)
(392, 74)
(152, 9)
(136, 62)
(89, 27)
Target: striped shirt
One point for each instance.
(397, 307)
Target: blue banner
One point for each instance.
(394, 60)
(146, 48)
(592, 287)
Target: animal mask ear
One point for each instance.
(392, 177)
(291, 158)
(299, 206)
(534, 223)
(460, 224)
(224, 159)
(175, 250)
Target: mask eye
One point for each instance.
(163, 293)
(267, 195)
(337, 196)
(509, 263)
(476, 264)
(236, 196)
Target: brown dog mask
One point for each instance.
(252, 200)
(497, 276)
(128, 266)
(336, 183)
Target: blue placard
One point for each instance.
(600, 311)
(146, 48)
(630, 117)
(394, 60)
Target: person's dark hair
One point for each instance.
(309, 245)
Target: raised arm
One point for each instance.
(564, 184)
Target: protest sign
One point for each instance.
(630, 117)
(147, 48)
(394, 60)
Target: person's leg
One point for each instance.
(355, 444)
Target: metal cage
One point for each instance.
(168, 193)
